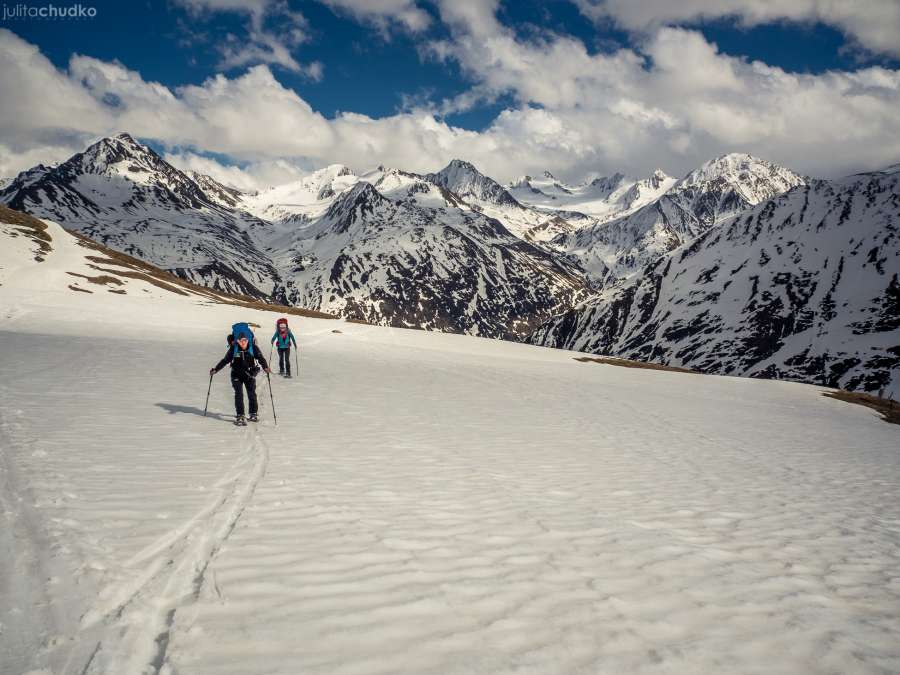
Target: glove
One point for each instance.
(212, 371)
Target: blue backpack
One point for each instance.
(242, 329)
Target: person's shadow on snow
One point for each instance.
(172, 409)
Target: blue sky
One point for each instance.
(485, 73)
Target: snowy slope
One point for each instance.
(426, 504)
(301, 200)
(687, 208)
(122, 194)
(804, 286)
(601, 199)
(487, 196)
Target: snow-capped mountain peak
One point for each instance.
(26, 178)
(122, 194)
(659, 177)
(660, 213)
(120, 154)
(644, 191)
(608, 183)
(302, 199)
(352, 207)
(521, 182)
(362, 195)
(753, 179)
(465, 180)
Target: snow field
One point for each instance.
(433, 503)
(427, 503)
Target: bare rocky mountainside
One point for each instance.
(654, 268)
(803, 286)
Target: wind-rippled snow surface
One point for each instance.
(435, 504)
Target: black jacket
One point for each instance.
(242, 363)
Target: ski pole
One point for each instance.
(272, 398)
(297, 359)
(207, 394)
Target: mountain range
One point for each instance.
(392, 247)
(802, 286)
(537, 259)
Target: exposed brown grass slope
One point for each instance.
(121, 264)
(114, 264)
(889, 409)
(29, 226)
(626, 363)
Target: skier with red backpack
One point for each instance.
(243, 353)
(284, 337)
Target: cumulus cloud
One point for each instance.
(384, 14)
(874, 24)
(672, 101)
(248, 177)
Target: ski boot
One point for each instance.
(240, 421)
(254, 417)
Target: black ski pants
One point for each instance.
(284, 360)
(239, 381)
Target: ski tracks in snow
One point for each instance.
(132, 620)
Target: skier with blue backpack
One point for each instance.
(242, 354)
(283, 337)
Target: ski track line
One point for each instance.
(159, 554)
(138, 619)
(20, 547)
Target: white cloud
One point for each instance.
(472, 17)
(262, 43)
(13, 160)
(874, 24)
(252, 7)
(674, 102)
(37, 96)
(384, 13)
(250, 177)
